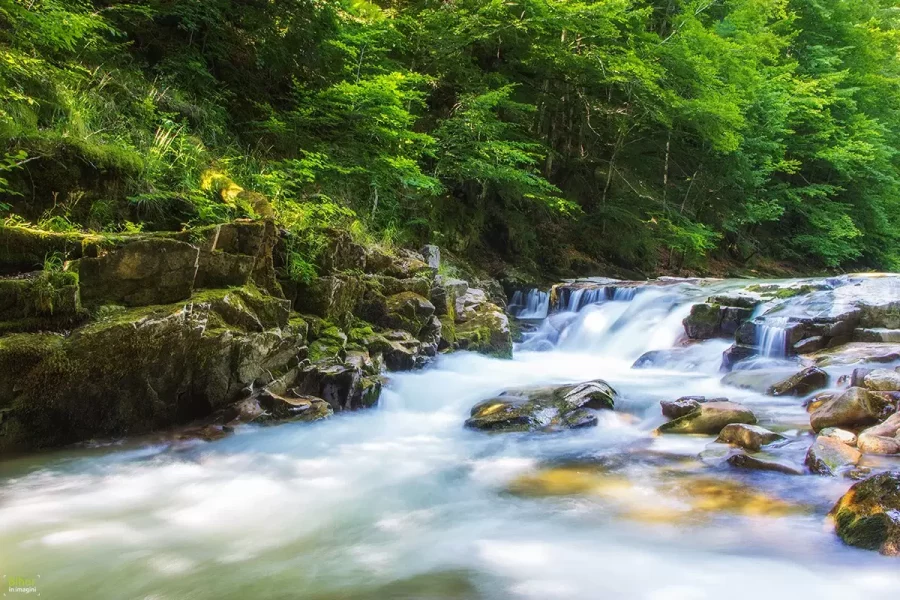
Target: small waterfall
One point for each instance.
(771, 337)
(533, 304)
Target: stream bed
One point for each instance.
(403, 502)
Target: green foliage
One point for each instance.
(622, 130)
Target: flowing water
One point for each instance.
(403, 502)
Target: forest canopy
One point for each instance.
(647, 134)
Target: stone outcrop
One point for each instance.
(543, 409)
(868, 515)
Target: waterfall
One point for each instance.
(771, 337)
(533, 304)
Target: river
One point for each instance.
(403, 502)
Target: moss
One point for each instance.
(485, 333)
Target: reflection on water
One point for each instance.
(402, 502)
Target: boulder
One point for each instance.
(292, 408)
(674, 409)
(841, 435)
(749, 437)
(543, 409)
(704, 322)
(855, 407)
(829, 456)
(761, 381)
(342, 385)
(868, 515)
(883, 438)
(800, 384)
(485, 331)
(736, 354)
(140, 273)
(810, 344)
(710, 418)
(882, 380)
(764, 462)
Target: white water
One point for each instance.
(771, 336)
(533, 304)
(402, 502)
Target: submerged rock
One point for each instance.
(764, 462)
(750, 437)
(778, 382)
(543, 409)
(883, 438)
(868, 515)
(830, 456)
(710, 418)
(855, 407)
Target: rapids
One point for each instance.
(403, 502)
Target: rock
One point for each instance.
(445, 293)
(138, 369)
(882, 380)
(674, 409)
(855, 407)
(408, 311)
(341, 253)
(432, 256)
(878, 335)
(810, 344)
(758, 380)
(800, 384)
(43, 300)
(704, 322)
(342, 385)
(858, 377)
(736, 354)
(335, 297)
(749, 437)
(235, 254)
(856, 352)
(868, 515)
(543, 409)
(407, 264)
(23, 249)
(883, 438)
(764, 462)
(486, 331)
(299, 408)
(140, 273)
(710, 418)
(830, 456)
(816, 402)
(841, 435)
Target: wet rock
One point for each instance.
(543, 409)
(139, 273)
(810, 344)
(816, 402)
(868, 515)
(858, 377)
(293, 408)
(749, 437)
(800, 384)
(829, 456)
(883, 438)
(343, 386)
(855, 407)
(704, 322)
(757, 380)
(764, 462)
(882, 380)
(710, 418)
(841, 435)
(736, 354)
(674, 409)
(879, 335)
(856, 352)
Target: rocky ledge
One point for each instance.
(127, 334)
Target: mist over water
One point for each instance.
(403, 502)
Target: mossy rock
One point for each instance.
(543, 409)
(408, 311)
(487, 332)
(868, 515)
(138, 369)
(46, 300)
(709, 418)
(24, 249)
(335, 298)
